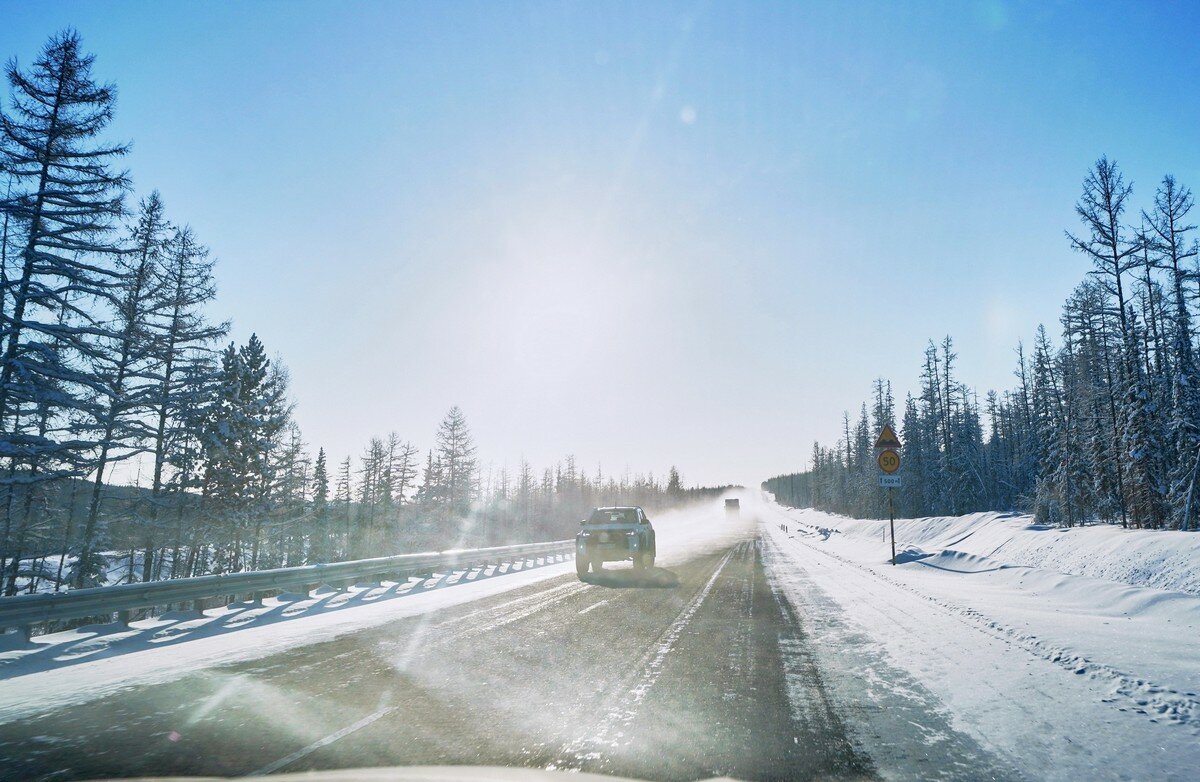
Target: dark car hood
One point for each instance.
(425, 774)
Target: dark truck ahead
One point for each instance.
(613, 535)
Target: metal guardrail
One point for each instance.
(24, 611)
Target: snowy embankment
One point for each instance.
(1160, 559)
(61, 669)
(1048, 646)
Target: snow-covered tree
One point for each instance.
(125, 363)
(456, 458)
(61, 213)
(65, 201)
(674, 485)
(182, 340)
(320, 536)
(251, 412)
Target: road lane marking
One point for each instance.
(271, 768)
(592, 606)
(652, 670)
(651, 667)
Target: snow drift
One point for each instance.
(1147, 558)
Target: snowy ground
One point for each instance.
(51, 568)
(1067, 676)
(1167, 560)
(79, 665)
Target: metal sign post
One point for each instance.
(892, 522)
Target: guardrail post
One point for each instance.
(123, 617)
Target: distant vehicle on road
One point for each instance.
(614, 535)
(733, 507)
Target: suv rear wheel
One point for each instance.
(581, 566)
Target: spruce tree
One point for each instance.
(674, 485)
(320, 535)
(456, 458)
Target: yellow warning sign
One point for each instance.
(887, 438)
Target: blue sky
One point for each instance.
(641, 233)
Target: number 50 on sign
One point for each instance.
(889, 461)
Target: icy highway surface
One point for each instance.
(750, 652)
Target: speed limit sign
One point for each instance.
(889, 461)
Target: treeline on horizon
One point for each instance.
(107, 355)
(1103, 426)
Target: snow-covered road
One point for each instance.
(691, 670)
(1067, 676)
(780, 644)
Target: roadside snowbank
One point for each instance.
(1148, 558)
(1069, 676)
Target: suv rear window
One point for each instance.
(617, 516)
